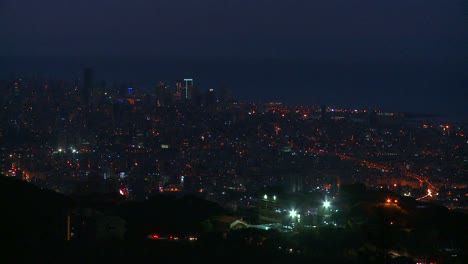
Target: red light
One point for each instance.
(155, 237)
(396, 201)
(388, 200)
(171, 237)
(123, 191)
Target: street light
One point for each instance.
(295, 216)
(293, 213)
(326, 207)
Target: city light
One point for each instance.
(293, 213)
(229, 152)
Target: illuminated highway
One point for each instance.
(383, 168)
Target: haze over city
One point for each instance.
(248, 131)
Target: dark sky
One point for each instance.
(340, 31)
(337, 29)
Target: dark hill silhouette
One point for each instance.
(167, 214)
(34, 231)
(32, 217)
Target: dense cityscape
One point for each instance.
(116, 153)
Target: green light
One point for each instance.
(326, 204)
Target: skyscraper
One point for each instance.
(188, 89)
(87, 88)
(324, 115)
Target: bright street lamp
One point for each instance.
(293, 213)
(326, 212)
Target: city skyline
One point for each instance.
(401, 88)
(202, 172)
(269, 131)
(398, 55)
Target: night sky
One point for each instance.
(426, 37)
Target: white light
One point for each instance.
(293, 213)
(274, 197)
(265, 196)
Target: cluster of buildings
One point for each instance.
(87, 137)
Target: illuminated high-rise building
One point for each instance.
(188, 89)
(210, 98)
